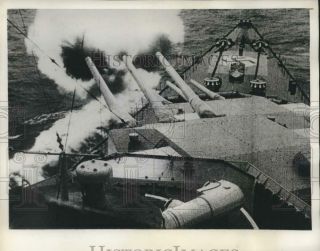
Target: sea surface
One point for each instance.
(34, 97)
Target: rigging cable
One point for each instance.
(19, 30)
(199, 58)
(46, 98)
(34, 43)
(51, 59)
(72, 104)
(302, 91)
(89, 93)
(23, 23)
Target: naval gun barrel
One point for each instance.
(176, 89)
(199, 106)
(111, 102)
(156, 101)
(211, 94)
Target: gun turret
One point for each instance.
(111, 102)
(199, 106)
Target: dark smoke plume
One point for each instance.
(73, 56)
(147, 60)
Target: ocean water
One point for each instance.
(33, 96)
(286, 30)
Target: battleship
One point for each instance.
(223, 145)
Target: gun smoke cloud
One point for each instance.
(67, 36)
(108, 31)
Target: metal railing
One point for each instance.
(275, 187)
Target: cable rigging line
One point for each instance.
(72, 104)
(34, 43)
(34, 62)
(23, 23)
(24, 33)
(46, 98)
(302, 91)
(90, 94)
(53, 61)
(199, 58)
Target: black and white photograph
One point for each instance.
(160, 119)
